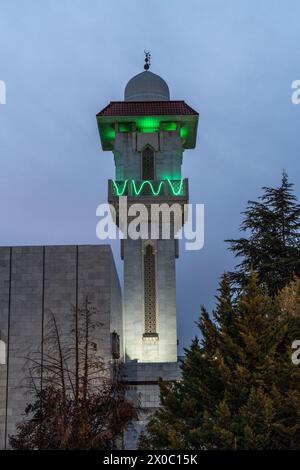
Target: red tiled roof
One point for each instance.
(147, 108)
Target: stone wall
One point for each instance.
(165, 349)
(34, 281)
(143, 388)
(168, 154)
(168, 151)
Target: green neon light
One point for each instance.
(120, 187)
(144, 183)
(125, 127)
(173, 184)
(169, 126)
(183, 132)
(148, 124)
(109, 133)
(143, 124)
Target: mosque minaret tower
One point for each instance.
(148, 133)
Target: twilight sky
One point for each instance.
(64, 60)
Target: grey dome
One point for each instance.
(146, 86)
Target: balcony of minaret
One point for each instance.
(150, 192)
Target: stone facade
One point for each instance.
(137, 347)
(168, 154)
(142, 380)
(35, 280)
(168, 151)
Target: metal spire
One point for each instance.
(147, 60)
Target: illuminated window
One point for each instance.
(149, 291)
(148, 164)
(2, 352)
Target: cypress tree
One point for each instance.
(272, 248)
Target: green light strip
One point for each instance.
(172, 186)
(120, 187)
(138, 191)
(120, 192)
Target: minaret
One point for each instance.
(148, 133)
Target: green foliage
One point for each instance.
(272, 248)
(239, 388)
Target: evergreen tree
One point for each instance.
(272, 248)
(239, 388)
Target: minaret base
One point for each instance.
(142, 380)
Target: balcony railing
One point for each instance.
(163, 189)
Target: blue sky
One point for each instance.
(64, 60)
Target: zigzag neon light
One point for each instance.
(172, 186)
(120, 192)
(120, 187)
(137, 192)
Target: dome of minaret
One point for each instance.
(146, 86)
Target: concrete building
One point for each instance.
(35, 280)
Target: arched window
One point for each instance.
(148, 164)
(149, 291)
